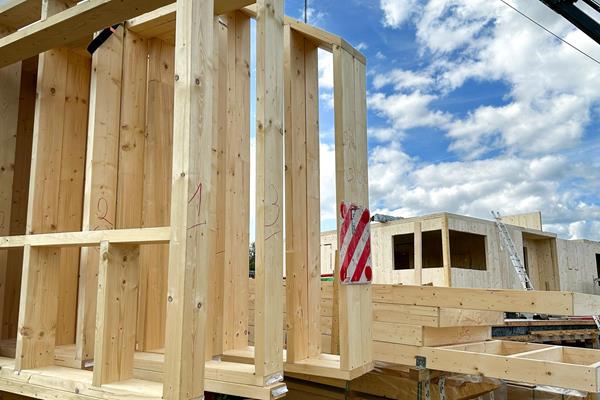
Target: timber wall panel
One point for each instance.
(70, 200)
(228, 291)
(577, 265)
(100, 194)
(17, 102)
(156, 193)
(54, 205)
(237, 183)
(216, 315)
(10, 84)
(352, 185)
(302, 198)
(129, 164)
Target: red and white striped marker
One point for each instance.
(355, 245)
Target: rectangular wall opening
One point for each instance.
(404, 251)
(467, 250)
(598, 265)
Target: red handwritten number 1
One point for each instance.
(197, 195)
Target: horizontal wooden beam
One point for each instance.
(436, 317)
(70, 26)
(322, 38)
(91, 238)
(540, 302)
(233, 378)
(162, 21)
(15, 14)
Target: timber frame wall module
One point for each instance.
(95, 272)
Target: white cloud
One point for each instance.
(385, 134)
(380, 56)
(396, 12)
(403, 79)
(362, 46)
(552, 88)
(521, 155)
(406, 111)
(401, 186)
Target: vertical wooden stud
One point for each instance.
(118, 280)
(418, 257)
(100, 191)
(269, 189)
(352, 185)
(192, 230)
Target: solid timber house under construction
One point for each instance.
(455, 250)
(124, 209)
(124, 201)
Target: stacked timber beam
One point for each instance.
(450, 328)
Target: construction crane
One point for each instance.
(577, 16)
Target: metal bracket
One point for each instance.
(270, 380)
(279, 391)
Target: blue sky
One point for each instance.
(471, 108)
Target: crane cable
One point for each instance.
(593, 3)
(550, 32)
(306, 11)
